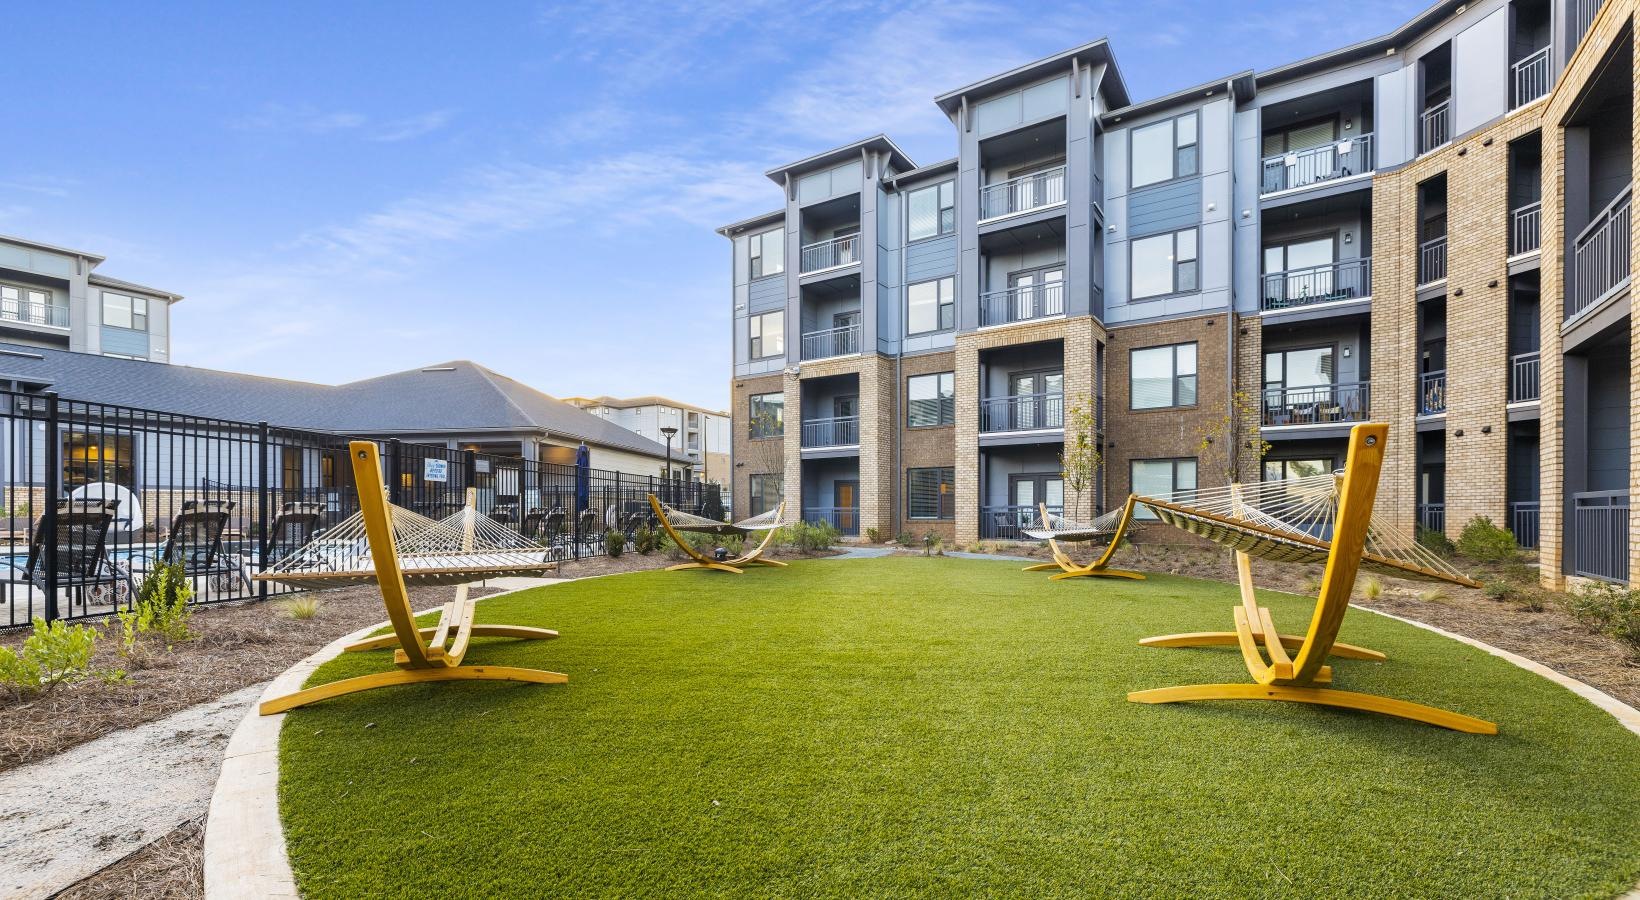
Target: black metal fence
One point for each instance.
(96, 495)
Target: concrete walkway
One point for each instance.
(72, 815)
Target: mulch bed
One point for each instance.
(171, 868)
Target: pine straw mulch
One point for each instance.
(171, 868)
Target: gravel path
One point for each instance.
(73, 814)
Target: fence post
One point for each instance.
(265, 539)
(395, 492)
(48, 516)
(470, 463)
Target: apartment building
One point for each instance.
(1430, 228)
(700, 436)
(54, 297)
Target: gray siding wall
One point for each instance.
(1164, 207)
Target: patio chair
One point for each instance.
(505, 512)
(588, 529)
(296, 523)
(195, 543)
(83, 565)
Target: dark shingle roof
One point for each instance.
(452, 397)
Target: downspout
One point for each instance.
(1233, 452)
(899, 381)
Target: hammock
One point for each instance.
(458, 549)
(1056, 527)
(682, 521)
(1292, 521)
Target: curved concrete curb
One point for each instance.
(245, 841)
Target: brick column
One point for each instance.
(877, 445)
(967, 438)
(793, 478)
(1394, 332)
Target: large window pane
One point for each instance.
(1153, 378)
(922, 307)
(1152, 274)
(767, 415)
(928, 493)
(930, 400)
(1309, 367)
(923, 213)
(1152, 153)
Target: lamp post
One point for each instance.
(669, 431)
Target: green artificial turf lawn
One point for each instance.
(938, 727)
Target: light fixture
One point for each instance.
(1349, 237)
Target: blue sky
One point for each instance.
(343, 189)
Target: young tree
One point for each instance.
(1234, 437)
(1080, 461)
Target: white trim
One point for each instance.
(1287, 192)
(828, 449)
(1307, 307)
(802, 275)
(1028, 432)
(803, 362)
(1312, 426)
(1020, 322)
(1522, 257)
(1055, 205)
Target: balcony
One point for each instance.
(1023, 194)
(1600, 256)
(1346, 279)
(1432, 261)
(1524, 224)
(1529, 79)
(1008, 523)
(1432, 517)
(1583, 13)
(1322, 404)
(13, 310)
(841, 431)
(846, 519)
(831, 342)
(1314, 165)
(1600, 535)
(1025, 412)
(1432, 393)
(1435, 126)
(1020, 304)
(840, 251)
(1523, 522)
(1523, 377)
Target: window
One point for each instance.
(931, 211)
(931, 306)
(24, 304)
(1286, 469)
(768, 416)
(766, 491)
(931, 400)
(1164, 151)
(1160, 477)
(768, 333)
(1310, 367)
(768, 252)
(124, 311)
(929, 493)
(1164, 264)
(1163, 377)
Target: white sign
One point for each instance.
(435, 469)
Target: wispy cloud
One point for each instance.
(412, 126)
(304, 119)
(44, 185)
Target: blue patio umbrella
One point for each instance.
(583, 477)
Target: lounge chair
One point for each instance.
(195, 543)
(83, 566)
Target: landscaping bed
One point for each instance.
(932, 727)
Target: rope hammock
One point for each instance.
(682, 521)
(1056, 527)
(458, 549)
(1292, 521)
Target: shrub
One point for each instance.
(933, 545)
(711, 507)
(643, 540)
(1436, 542)
(1312, 584)
(906, 539)
(304, 607)
(614, 542)
(1499, 590)
(1484, 542)
(52, 655)
(162, 608)
(808, 537)
(733, 544)
(874, 535)
(1433, 595)
(1609, 609)
(1372, 587)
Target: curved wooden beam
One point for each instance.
(1417, 712)
(1099, 568)
(408, 676)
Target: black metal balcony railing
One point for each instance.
(1523, 377)
(1524, 224)
(1432, 260)
(1008, 523)
(831, 342)
(1025, 412)
(1312, 165)
(1583, 13)
(1529, 79)
(1432, 393)
(1435, 126)
(846, 519)
(1432, 517)
(1600, 255)
(1346, 279)
(1600, 535)
(840, 251)
(1020, 304)
(1317, 404)
(1022, 194)
(34, 313)
(842, 431)
(1523, 521)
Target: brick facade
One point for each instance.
(751, 457)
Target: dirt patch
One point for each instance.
(171, 868)
(238, 645)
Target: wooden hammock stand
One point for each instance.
(698, 560)
(1304, 677)
(423, 654)
(1099, 567)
